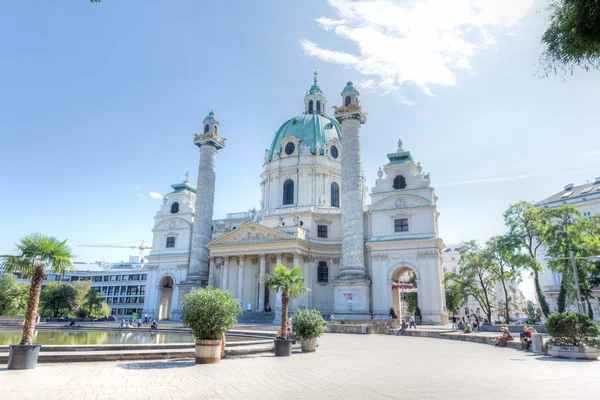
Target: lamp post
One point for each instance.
(572, 257)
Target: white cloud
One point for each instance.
(423, 42)
(155, 195)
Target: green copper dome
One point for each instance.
(312, 129)
(349, 86)
(210, 116)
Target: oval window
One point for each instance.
(289, 148)
(334, 152)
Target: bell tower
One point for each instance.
(315, 101)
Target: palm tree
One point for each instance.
(36, 252)
(291, 284)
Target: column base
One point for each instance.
(353, 274)
(352, 297)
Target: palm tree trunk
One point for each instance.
(285, 295)
(32, 305)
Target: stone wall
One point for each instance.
(512, 328)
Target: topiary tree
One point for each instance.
(308, 324)
(572, 329)
(210, 312)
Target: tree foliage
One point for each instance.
(573, 37)
(93, 301)
(35, 254)
(308, 324)
(13, 296)
(290, 283)
(58, 299)
(572, 329)
(210, 312)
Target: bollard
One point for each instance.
(537, 343)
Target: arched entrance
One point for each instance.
(404, 292)
(166, 298)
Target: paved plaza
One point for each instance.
(344, 367)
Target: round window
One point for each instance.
(334, 152)
(289, 148)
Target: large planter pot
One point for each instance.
(208, 351)
(283, 347)
(308, 345)
(23, 356)
(578, 352)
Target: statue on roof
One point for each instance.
(187, 176)
(400, 149)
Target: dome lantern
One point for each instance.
(349, 94)
(315, 101)
(210, 123)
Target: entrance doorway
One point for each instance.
(404, 293)
(166, 298)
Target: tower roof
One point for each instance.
(315, 89)
(349, 86)
(210, 116)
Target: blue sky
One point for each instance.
(100, 101)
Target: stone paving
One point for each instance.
(344, 367)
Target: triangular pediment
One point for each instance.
(250, 233)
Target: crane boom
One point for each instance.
(140, 247)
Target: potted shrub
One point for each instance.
(573, 336)
(291, 284)
(36, 254)
(308, 325)
(209, 313)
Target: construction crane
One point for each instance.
(140, 247)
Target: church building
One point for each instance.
(357, 249)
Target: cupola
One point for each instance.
(349, 94)
(314, 101)
(210, 123)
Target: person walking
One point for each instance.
(139, 321)
(412, 322)
(454, 327)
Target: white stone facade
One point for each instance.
(303, 184)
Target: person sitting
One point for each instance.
(461, 326)
(528, 338)
(502, 341)
(154, 325)
(72, 323)
(267, 308)
(402, 327)
(468, 328)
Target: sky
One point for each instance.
(100, 102)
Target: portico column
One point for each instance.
(225, 283)
(240, 285)
(277, 319)
(211, 272)
(294, 305)
(261, 282)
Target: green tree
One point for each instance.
(476, 277)
(13, 296)
(573, 36)
(58, 299)
(506, 264)
(101, 312)
(291, 284)
(81, 288)
(93, 301)
(455, 293)
(528, 226)
(36, 252)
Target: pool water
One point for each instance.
(75, 337)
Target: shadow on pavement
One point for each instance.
(183, 363)
(564, 360)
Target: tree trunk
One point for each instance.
(506, 302)
(285, 295)
(32, 305)
(590, 311)
(540, 295)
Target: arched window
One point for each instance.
(175, 208)
(310, 106)
(335, 195)
(288, 192)
(215, 129)
(322, 272)
(347, 101)
(206, 128)
(399, 182)
(318, 107)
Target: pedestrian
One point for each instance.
(454, 327)
(122, 323)
(139, 322)
(412, 322)
(402, 327)
(475, 325)
(146, 318)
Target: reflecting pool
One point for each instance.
(76, 336)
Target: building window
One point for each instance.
(110, 290)
(334, 152)
(310, 106)
(335, 195)
(399, 182)
(144, 277)
(117, 289)
(175, 208)
(347, 101)
(318, 107)
(289, 148)
(288, 192)
(171, 241)
(206, 128)
(322, 231)
(118, 277)
(556, 277)
(97, 279)
(322, 272)
(401, 225)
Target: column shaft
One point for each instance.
(225, 283)
(261, 282)
(211, 272)
(240, 285)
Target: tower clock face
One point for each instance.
(334, 152)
